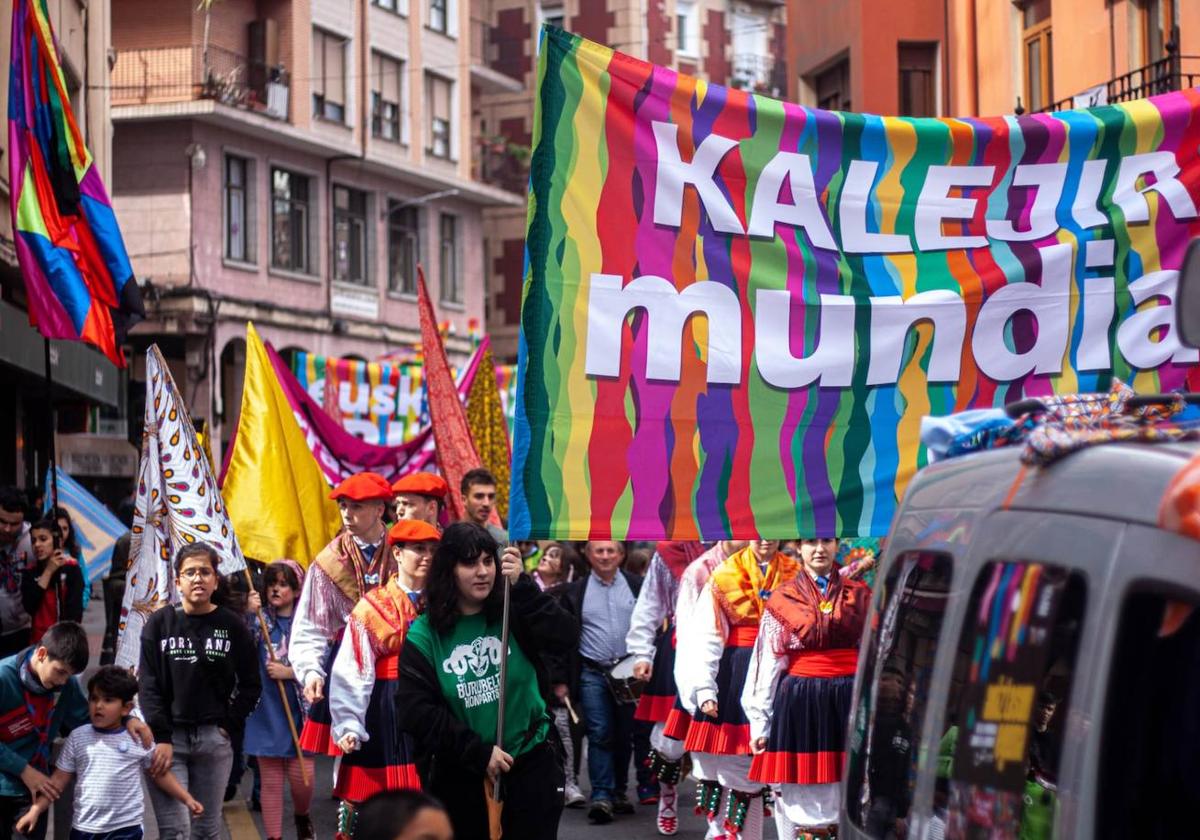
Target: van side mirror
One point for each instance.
(1187, 297)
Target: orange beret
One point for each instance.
(422, 484)
(364, 487)
(412, 530)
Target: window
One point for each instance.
(1155, 18)
(998, 758)
(1150, 740)
(1036, 40)
(687, 37)
(918, 69)
(289, 220)
(349, 235)
(400, 7)
(552, 14)
(404, 248)
(448, 251)
(239, 230)
(329, 76)
(439, 16)
(386, 75)
(882, 754)
(833, 87)
(439, 96)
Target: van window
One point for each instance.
(1150, 755)
(891, 708)
(998, 759)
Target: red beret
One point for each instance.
(412, 530)
(364, 487)
(422, 484)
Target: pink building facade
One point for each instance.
(294, 174)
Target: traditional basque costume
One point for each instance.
(362, 695)
(734, 596)
(679, 720)
(651, 638)
(344, 571)
(798, 693)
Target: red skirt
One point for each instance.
(659, 695)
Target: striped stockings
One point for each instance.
(271, 772)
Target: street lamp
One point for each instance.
(413, 202)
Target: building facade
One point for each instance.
(869, 56)
(1043, 55)
(88, 390)
(291, 163)
(728, 42)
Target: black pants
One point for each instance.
(11, 809)
(533, 799)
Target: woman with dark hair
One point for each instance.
(71, 546)
(53, 590)
(449, 687)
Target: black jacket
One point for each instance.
(567, 669)
(539, 625)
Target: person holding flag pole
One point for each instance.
(468, 723)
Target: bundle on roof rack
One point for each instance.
(1051, 428)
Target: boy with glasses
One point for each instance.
(198, 682)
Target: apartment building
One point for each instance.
(88, 390)
(290, 163)
(1040, 55)
(728, 42)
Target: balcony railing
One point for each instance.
(1169, 73)
(182, 74)
(759, 74)
(502, 163)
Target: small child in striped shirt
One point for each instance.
(108, 762)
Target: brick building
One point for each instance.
(731, 43)
(290, 162)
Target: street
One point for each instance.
(243, 824)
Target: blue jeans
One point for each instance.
(201, 760)
(609, 734)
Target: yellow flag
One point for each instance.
(277, 496)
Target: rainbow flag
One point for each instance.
(78, 279)
(736, 310)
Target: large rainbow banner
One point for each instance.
(736, 310)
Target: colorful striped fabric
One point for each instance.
(77, 273)
(849, 273)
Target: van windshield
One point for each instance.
(890, 712)
(998, 759)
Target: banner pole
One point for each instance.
(53, 488)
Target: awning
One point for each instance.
(73, 365)
(97, 455)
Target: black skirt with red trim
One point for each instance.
(386, 761)
(807, 742)
(659, 694)
(678, 722)
(317, 734)
(729, 732)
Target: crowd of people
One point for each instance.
(731, 661)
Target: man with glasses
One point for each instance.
(16, 558)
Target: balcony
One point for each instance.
(182, 74)
(504, 164)
(484, 73)
(759, 74)
(1171, 72)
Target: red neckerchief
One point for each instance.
(833, 619)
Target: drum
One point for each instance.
(621, 682)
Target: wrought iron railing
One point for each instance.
(1171, 72)
(175, 74)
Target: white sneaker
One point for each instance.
(573, 797)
